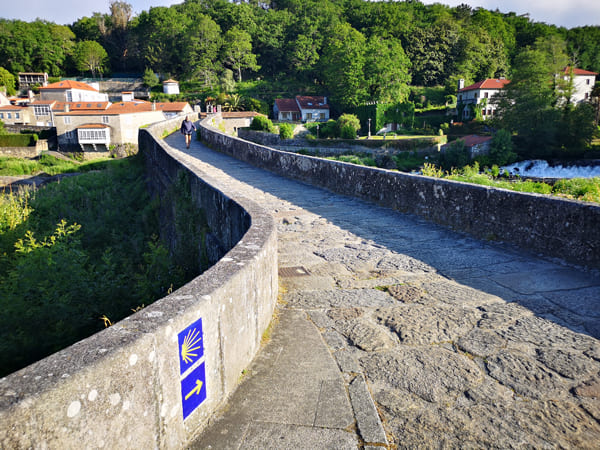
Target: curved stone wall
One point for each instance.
(131, 385)
(549, 225)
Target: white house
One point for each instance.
(304, 108)
(583, 83)
(477, 96)
(286, 109)
(72, 91)
(170, 86)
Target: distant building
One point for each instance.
(302, 108)
(477, 145)
(286, 109)
(170, 87)
(29, 79)
(82, 126)
(72, 91)
(14, 115)
(477, 96)
(583, 84)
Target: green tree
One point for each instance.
(150, 78)
(237, 51)
(386, 70)
(8, 81)
(501, 148)
(201, 49)
(343, 63)
(90, 56)
(527, 106)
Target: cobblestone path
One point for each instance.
(462, 343)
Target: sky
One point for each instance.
(566, 13)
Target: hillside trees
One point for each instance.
(37, 46)
(342, 66)
(7, 80)
(237, 51)
(90, 56)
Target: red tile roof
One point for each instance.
(489, 83)
(12, 108)
(311, 102)
(69, 84)
(108, 109)
(287, 105)
(579, 71)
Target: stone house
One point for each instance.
(96, 128)
(477, 145)
(14, 115)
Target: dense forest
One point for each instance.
(354, 50)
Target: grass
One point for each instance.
(47, 164)
(582, 189)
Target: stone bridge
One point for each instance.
(412, 312)
(393, 331)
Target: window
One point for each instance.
(70, 135)
(41, 110)
(587, 81)
(1, 115)
(486, 95)
(9, 115)
(308, 116)
(104, 119)
(587, 95)
(322, 116)
(69, 96)
(17, 115)
(67, 120)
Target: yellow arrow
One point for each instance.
(196, 390)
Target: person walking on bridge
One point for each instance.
(187, 128)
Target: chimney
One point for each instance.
(461, 84)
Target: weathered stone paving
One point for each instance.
(459, 342)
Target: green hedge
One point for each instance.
(17, 140)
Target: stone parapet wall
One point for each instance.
(549, 225)
(125, 387)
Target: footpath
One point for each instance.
(392, 332)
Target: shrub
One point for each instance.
(348, 125)
(17, 140)
(286, 131)
(262, 123)
(348, 132)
